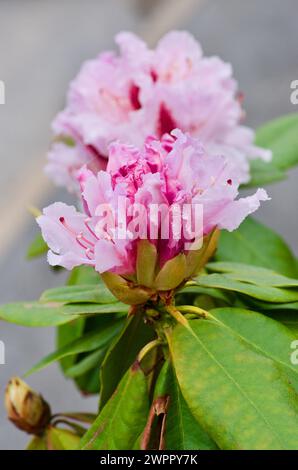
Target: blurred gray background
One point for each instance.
(42, 44)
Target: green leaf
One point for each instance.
(281, 137)
(262, 173)
(94, 309)
(242, 399)
(255, 244)
(98, 294)
(252, 274)
(89, 382)
(62, 439)
(72, 330)
(88, 363)
(41, 314)
(265, 335)
(287, 318)
(35, 314)
(124, 416)
(183, 432)
(66, 334)
(122, 354)
(267, 293)
(37, 247)
(258, 305)
(89, 342)
(83, 275)
(212, 292)
(37, 443)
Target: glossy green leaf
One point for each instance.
(41, 314)
(81, 275)
(89, 342)
(267, 336)
(255, 244)
(66, 334)
(281, 137)
(98, 294)
(94, 309)
(124, 416)
(267, 293)
(89, 383)
(61, 439)
(241, 398)
(35, 314)
(183, 432)
(37, 247)
(86, 364)
(262, 173)
(252, 274)
(211, 291)
(37, 443)
(287, 318)
(122, 354)
(258, 305)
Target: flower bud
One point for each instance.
(125, 291)
(196, 259)
(25, 408)
(150, 280)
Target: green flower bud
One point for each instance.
(196, 259)
(149, 280)
(125, 291)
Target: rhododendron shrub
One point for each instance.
(180, 310)
(142, 92)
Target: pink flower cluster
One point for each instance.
(143, 92)
(176, 170)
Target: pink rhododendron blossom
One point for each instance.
(143, 92)
(185, 174)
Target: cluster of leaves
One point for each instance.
(219, 378)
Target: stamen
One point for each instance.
(78, 236)
(89, 253)
(81, 237)
(87, 221)
(80, 243)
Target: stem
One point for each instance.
(200, 312)
(147, 348)
(191, 284)
(177, 315)
(80, 430)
